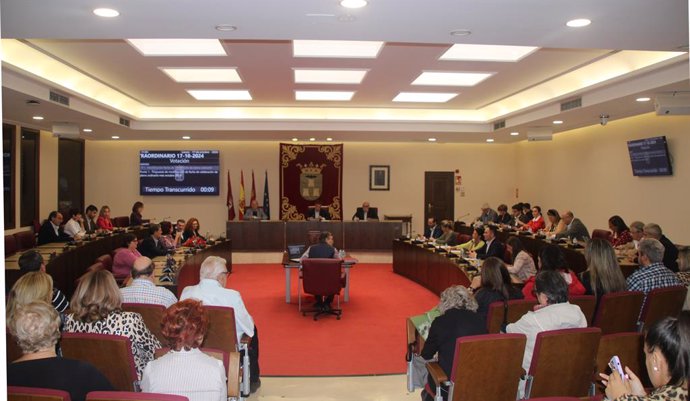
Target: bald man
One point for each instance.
(573, 228)
(142, 290)
(365, 213)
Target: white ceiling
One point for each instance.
(416, 34)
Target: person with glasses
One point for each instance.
(125, 256)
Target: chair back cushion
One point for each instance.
(571, 355)
(221, 332)
(462, 238)
(601, 234)
(25, 240)
(321, 276)
(663, 302)
(10, 245)
(587, 303)
(628, 347)
(121, 221)
(107, 261)
(516, 309)
(16, 393)
(152, 315)
(618, 312)
(132, 396)
(110, 354)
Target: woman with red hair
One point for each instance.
(190, 235)
(186, 370)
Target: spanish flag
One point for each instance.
(242, 196)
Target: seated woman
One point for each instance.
(186, 370)
(36, 328)
(536, 223)
(522, 264)
(495, 286)
(666, 350)
(170, 242)
(684, 265)
(136, 219)
(103, 220)
(31, 287)
(603, 274)
(476, 242)
(449, 237)
(125, 256)
(191, 234)
(97, 308)
(621, 232)
(556, 224)
(458, 318)
(551, 258)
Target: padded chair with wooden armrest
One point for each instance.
(660, 303)
(478, 360)
(110, 354)
(11, 246)
(121, 221)
(132, 396)
(629, 348)
(152, 315)
(618, 312)
(17, 393)
(569, 352)
(602, 234)
(462, 238)
(25, 240)
(587, 304)
(222, 335)
(516, 309)
(321, 277)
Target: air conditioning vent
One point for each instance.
(58, 98)
(124, 121)
(499, 124)
(571, 104)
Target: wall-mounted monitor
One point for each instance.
(649, 157)
(179, 172)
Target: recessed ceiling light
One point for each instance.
(336, 48)
(487, 52)
(308, 76)
(115, 137)
(226, 28)
(451, 78)
(329, 139)
(294, 139)
(324, 95)
(106, 12)
(432, 139)
(178, 47)
(217, 94)
(643, 99)
(203, 74)
(514, 133)
(186, 137)
(38, 118)
(87, 130)
(490, 140)
(353, 3)
(460, 32)
(557, 122)
(578, 23)
(424, 97)
(312, 139)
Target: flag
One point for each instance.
(230, 201)
(253, 198)
(242, 196)
(267, 207)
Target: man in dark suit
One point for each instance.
(50, 230)
(318, 213)
(323, 250)
(365, 213)
(492, 246)
(432, 230)
(152, 245)
(90, 217)
(574, 228)
(653, 230)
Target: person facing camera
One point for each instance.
(153, 245)
(666, 350)
(185, 370)
(136, 219)
(449, 237)
(365, 213)
(254, 212)
(318, 213)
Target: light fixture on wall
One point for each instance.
(353, 3)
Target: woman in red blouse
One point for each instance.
(621, 232)
(537, 223)
(104, 219)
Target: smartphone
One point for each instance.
(615, 365)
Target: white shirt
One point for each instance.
(191, 374)
(72, 228)
(210, 293)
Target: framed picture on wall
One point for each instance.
(379, 178)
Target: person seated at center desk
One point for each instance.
(318, 213)
(366, 213)
(324, 249)
(255, 212)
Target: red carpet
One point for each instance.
(369, 338)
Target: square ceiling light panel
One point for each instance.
(451, 78)
(336, 48)
(464, 52)
(424, 97)
(314, 76)
(217, 94)
(178, 47)
(324, 95)
(203, 74)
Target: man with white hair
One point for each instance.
(653, 230)
(211, 291)
(488, 214)
(652, 273)
(573, 228)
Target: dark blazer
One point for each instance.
(432, 234)
(496, 249)
(135, 219)
(670, 254)
(372, 214)
(90, 226)
(505, 219)
(148, 247)
(323, 213)
(321, 251)
(47, 234)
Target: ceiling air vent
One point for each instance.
(124, 121)
(58, 98)
(571, 104)
(499, 124)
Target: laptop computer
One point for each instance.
(295, 252)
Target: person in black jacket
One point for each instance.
(51, 231)
(495, 285)
(323, 250)
(458, 319)
(365, 213)
(152, 245)
(492, 246)
(318, 213)
(136, 219)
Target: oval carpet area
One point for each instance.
(368, 340)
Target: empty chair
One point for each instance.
(152, 315)
(662, 302)
(131, 396)
(618, 312)
(322, 278)
(15, 393)
(475, 362)
(629, 349)
(107, 261)
(222, 335)
(516, 309)
(462, 238)
(571, 353)
(10, 245)
(587, 303)
(313, 237)
(121, 221)
(603, 234)
(112, 355)
(25, 240)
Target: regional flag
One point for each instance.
(267, 207)
(242, 196)
(253, 197)
(230, 201)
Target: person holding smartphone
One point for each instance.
(667, 357)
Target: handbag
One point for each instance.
(416, 373)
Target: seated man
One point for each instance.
(32, 261)
(75, 226)
(526, 214)
(653, 230)
(142, 290)
(50, 230)
(152, 245)
(488, 214)
(90, 224)
(449, 237)
(318, 213)
(652, 273)
(573, 228)
(432, 230)
(503, 218)
(492, 246)
(254, 212)
(365, 213)
(516, 211)
(323, 250)
(554, 312)
(211, 291)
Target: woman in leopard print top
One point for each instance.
(667, 356)
(96, 309)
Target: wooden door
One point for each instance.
(439, 195)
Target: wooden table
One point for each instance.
(257, 235)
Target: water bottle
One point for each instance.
(341, 254)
